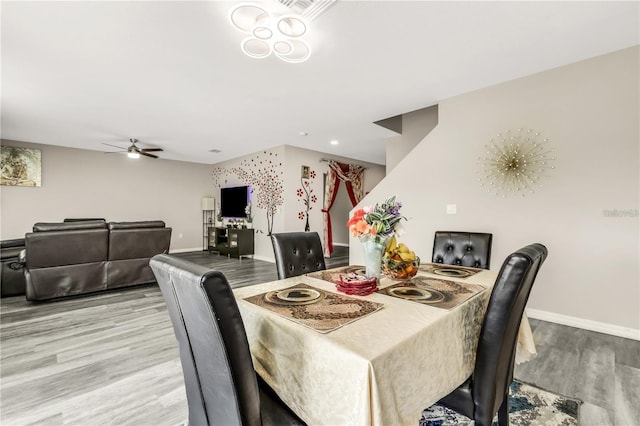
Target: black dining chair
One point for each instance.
(462, 248)
(297, 253)
(220, 382)
(486, 392)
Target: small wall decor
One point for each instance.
(305, 193)
(305, 172)
(20, 166)
(514, 162)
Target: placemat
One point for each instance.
(451, 271)
(333, 275)
(433, 292)
(320, 310)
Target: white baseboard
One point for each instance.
(265, 259)
(600, 327)
(184, 250)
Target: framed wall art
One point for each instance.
(20, 166)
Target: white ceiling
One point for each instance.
(171, 74)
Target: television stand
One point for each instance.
(233, 242)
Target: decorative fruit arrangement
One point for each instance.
(399, 261)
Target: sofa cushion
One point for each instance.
(138, 243)
(58, 248)
(62, 281)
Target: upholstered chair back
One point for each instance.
(495, 356)
(297, 253)
(462, 248)
(220, 381)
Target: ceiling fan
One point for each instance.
(134, 151)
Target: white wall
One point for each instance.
(415, 126)
(590, 113)
(340, 215)
(83, 183)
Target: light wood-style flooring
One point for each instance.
(112, 359)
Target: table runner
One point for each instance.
(315, 308)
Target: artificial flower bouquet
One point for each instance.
(377, 227)
(382, 219)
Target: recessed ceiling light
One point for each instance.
(334, 142)
(215, 151)
(303, 133)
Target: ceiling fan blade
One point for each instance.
(151, 149)
(148, 155)
(115, 146)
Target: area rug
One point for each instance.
(528, 406)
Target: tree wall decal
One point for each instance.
(264, 174)
(306, 195)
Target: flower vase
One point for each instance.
(373, 246)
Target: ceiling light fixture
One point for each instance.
(271, 33)
(334, 142)
(133, 155)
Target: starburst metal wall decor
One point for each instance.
(514, 163)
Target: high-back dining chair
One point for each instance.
(462, 248)
(297, 253)
(220, 382)
(486, 391)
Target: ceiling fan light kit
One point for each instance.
(134, 151)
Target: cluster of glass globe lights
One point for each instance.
(267, 34)
(515, 163)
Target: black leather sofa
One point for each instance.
(12, 276)
(87, 256)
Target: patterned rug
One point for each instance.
(528, 406)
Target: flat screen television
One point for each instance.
(233, 201)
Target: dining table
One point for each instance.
(379, 359)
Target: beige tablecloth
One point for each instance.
(383, 369)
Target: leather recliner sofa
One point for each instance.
(79, 257)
